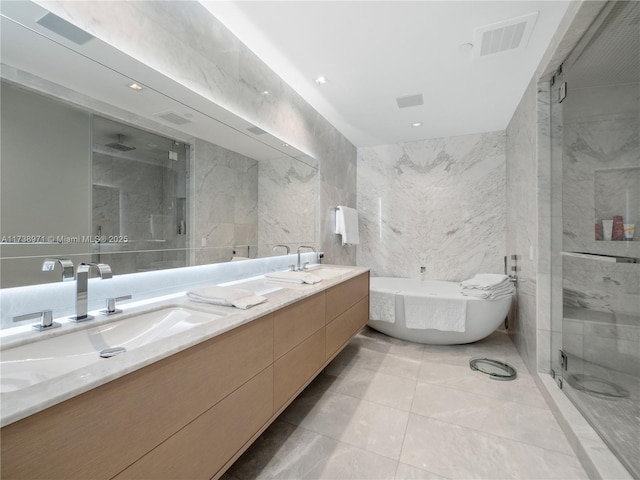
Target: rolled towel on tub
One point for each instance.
(226, 296)
(438, 313)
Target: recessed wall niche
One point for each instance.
(617, 192)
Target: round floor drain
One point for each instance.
(597, 385)
(495, 369)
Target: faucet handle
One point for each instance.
(111, 305)
(45, 316)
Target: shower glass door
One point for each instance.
(595, 108)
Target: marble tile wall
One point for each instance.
(287, 205)
(225, 203)
(522, 224)
(437, 203)
(182, 40)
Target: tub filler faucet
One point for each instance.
(82, 284)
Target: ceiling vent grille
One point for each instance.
(504, 36)
(410, 101)
(64, 29)
(172, 117)
(256, 130)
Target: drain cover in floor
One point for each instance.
(597, 385)
(495, 369)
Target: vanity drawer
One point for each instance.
(343, 296)
(297, 367)
(201, 448)
(297, 322)
(341, 329)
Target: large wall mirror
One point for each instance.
(94, 170)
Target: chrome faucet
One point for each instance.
(303, 246)
(82, 283)
(49, 265)
(281, 246)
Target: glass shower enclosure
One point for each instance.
(595, 111)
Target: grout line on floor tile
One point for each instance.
(497, 436)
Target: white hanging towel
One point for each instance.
(438, 313)
(347, 225)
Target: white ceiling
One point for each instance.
(372, 52)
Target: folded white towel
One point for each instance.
(485, 281)
(294, 277)
(382, 306)
(347, 225)
(438, 313)
(503, 291)
(226, 296)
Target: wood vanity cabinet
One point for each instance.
(347, 312)
(193, 414)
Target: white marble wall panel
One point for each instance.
(287, 205)
(436, 203)
(225, 184)
(182, 40)
(523, 204)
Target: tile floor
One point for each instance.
(389, 409)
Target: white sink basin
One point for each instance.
(36, 362)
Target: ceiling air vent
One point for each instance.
(410, 101)
(172, 117)
(504, 36)
(256, 130)
(64, 29)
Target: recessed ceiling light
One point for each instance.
(416, 124)
(466, 47)
(136, 87)
(266, 92)
(321, 80)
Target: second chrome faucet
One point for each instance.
(82, 284)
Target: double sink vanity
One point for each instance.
(197, 384)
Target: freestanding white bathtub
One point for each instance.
(482, 317)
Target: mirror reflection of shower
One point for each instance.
(139, 198)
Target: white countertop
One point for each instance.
(21, 403)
